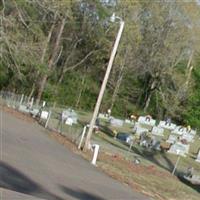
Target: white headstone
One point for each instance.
(23, 108)
(198, 157)
(43, 103)
(179, 149)
(102, 116)
(138, 129)
(69, 121)
(168, 126)
(158, 131)
(116, 122)
(143, 120)
(172, 139)
(188, 137)
(69, 113)
(179, 130)
(44, 115)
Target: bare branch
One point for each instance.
(79, 63)
(20, 15)
(60, 53)
(13, 59)
(74, 47)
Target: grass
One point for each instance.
(149, 179)
(159, 184)
(152, 176)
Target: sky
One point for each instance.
(198, 2)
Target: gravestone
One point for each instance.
(143, 120)
(168, 126)
(44, 115)
(179, 130)
(128, 121)
(183, 149)
(23, 108)
(138, 129)
(188, 137)
(69, 121)
(34, 111)
(116, 122)
(158, 131)
(69, 113)
(103, 116)
(155, 144)
(198, 157)
(172, 139)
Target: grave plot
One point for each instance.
(103, 116)
(44, 115)
(198, 157)
(187, 137)
(179, 130)
(34, 111)
(128, 121)
(156, 143)
(168, 126)
(157, 131)
(23, 108)
(172, 139)
(116, 122)
(69, 117)
(146, 121)
(138, 129)
(179, 149)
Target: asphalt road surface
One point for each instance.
(34, 167)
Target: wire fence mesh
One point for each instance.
(51, 117)
(54, 118)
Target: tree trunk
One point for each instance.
(189, 61)
(32, 91)
(116, 90)
(60, 78)
(188, 76)
(51, 60)
(41, 88)
(149, 94)
(80, 92)
(147, 102)
(189, 71)
(42, 60)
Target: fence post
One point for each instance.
(177, 161)
(31, 104)
(21, 100)
(82, 136)
(96, 151)
(48, 118)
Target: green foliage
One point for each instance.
(67, 66)
(192, 112)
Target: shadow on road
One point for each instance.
(12, 179)
(80, 194)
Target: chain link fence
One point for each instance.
(70, 123)
(63, 119)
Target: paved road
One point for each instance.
(35, 167)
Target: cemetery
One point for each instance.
(133, 139)
(116, 80)
(144, 131)
(159, 136)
